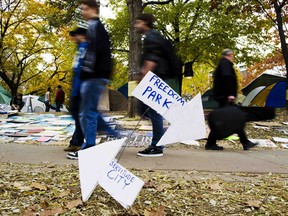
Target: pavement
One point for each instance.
(253, 161)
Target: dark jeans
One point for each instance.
(47, 106)
(156, 120)
(58, 106)
(78, 137)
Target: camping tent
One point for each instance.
(5, 97)
(263, 80)
(35, 103)
(252, 95)
(112, 100)
(271, 96)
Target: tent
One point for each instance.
(252, 95)
(112, 100)
(271, 96)
(34, 103)
(263, 80)
(5, 97)
(210, 103)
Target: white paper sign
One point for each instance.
(121, 184)
(91, 163)
(187, 122)
(186, 119)
(154, 92)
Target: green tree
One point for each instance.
(33, 53)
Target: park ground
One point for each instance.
(187, 180)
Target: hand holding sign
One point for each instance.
(187, 119)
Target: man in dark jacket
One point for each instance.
(225, 87)
(95, 73)
(155, 59)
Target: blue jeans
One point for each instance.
(157, 123)
(90, 118)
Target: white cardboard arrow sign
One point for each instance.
(91, 162)
(186, 119)
(97, 165)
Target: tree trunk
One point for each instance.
(135, 9)
(284, 47)
(281, 34)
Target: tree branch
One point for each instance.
(267, 14)
(283, 3)
(121, 50)
(156, 2)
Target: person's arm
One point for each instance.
(147, 66)
(229, 82)
(152, 56)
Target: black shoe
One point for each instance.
(151, 151)
(249, 145)
(72, 155)
(213, 147)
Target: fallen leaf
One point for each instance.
(233, 189)
(163, 187)
(52, 212)
(149, 184)
(254, 203)
(74, 204)
(44, 204)
(159, 212)
(38, 186)
(215, 186)
(212, 202)
(63, 194)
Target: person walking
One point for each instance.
(79, 37)
(225, 87)
(154, 58)
(59, 98)
(47, 99)
(96, 70)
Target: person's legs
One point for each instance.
(58, 105)
(211, 142)
(158, 131)
(90, 94)
(247, 144)
(47, 106)
(103, 126)
(157, 126)
(77, 137)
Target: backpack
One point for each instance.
(169, 53)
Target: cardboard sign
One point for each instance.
(121, 184)
(186, 119)
(91, 163)
(187, 122)
(154, 92)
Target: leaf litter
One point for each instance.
(39, 190)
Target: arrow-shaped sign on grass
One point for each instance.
(97, 165)
(186, 119)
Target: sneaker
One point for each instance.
(71, 148)
(72, 155)
(213, 147)
(151, 151)
(249, 145)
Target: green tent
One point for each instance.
(5, 97)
